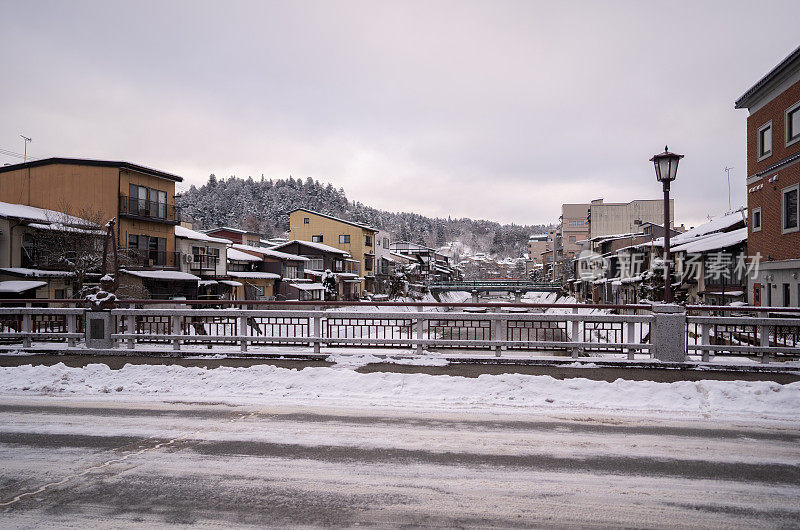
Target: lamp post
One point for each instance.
(666, 165)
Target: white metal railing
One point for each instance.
(575, 332)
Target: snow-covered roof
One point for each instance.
(42, 215)
(187, 233)
(715, 224)
(162, 275)
(308, 286)
(609, 237)
(203, 283)
(714, 241)
(232, 283)
(311, 244)
(269, 252)
(352, 223)
(19, 286)
(227, 229)
(59, 227)
(238, 255)
(35, 273)
(255, 275)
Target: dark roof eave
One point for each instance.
(345, 221)
(98, 163)
(747, 97)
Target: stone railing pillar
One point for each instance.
(99, 328)
(668, 333)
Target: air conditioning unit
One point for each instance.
(188, 258)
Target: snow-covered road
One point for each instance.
(268, 446)
(97, 462)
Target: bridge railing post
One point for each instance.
(576, 329)
(27, 326)
(420, 331)
(498, 335)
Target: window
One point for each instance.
(367, 241)
(147, 201)
(344, 239)
(572, 239)
(756, 226)
(306, 220)
(160, 198)
(367, 263)
(338, 265)
(254, 242)
(787, 295)
(790, 212)
(386, 242)
(765, 141)
(290, 271)
(793, 124)
(315, 263)
(148, 250)
(316, 239)
(137, 200)
(60, 293)
(578, 222)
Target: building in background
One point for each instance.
(574, 229)
(142, 200)
(322, 259)
(356, 239)
(773, 183)
(205, 257)
(607, 219)
(287, 269)
(237, 235)
(537, 244)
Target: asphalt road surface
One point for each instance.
(96, 463)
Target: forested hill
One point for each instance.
(264, 205)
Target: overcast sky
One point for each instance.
(496, 110)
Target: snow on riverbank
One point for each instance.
(338, 386)
(449, 297)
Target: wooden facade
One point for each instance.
(99, 191)
(356, 239)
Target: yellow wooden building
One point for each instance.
(354, 238)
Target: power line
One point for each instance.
(15, 154)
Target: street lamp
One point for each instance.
(666, 165)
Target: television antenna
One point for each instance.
(26, 141)
(728, 171)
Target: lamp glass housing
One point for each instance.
(666, 165)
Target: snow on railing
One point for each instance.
(574, 328)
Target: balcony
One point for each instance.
(202, 262)
(153, 259)
(149, 210)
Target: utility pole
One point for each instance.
(26, 140)
(728, 171)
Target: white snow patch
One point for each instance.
(337, 387)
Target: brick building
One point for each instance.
(773, 182)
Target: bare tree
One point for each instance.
(69, 240)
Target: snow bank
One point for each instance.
(363, 359)
(346, 388)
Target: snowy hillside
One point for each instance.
(263, 206)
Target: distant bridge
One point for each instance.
(496, 285)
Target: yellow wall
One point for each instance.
(86, 191)
(267, 283)
(330, 230)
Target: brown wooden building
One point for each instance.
(142, 200)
